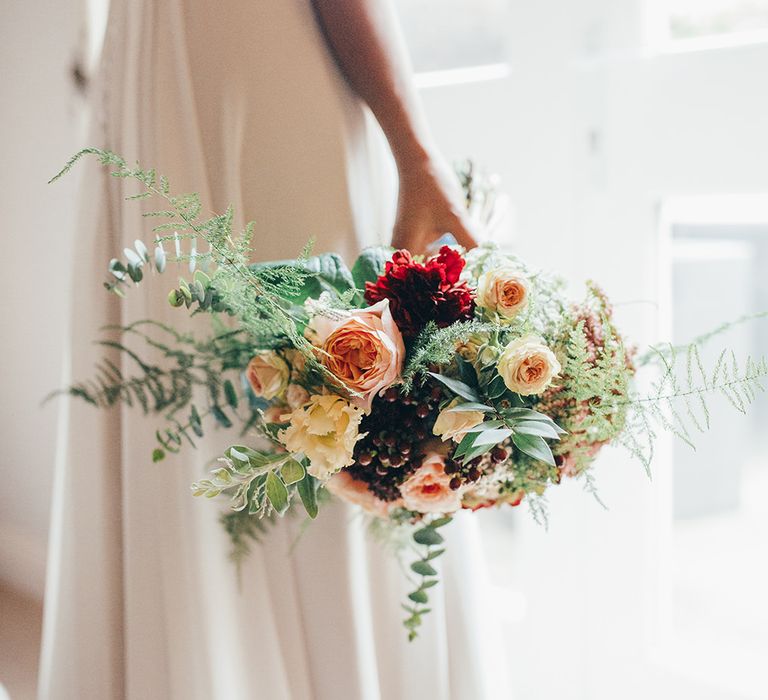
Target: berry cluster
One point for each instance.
(396, 428)
(462, 473)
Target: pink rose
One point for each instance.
(363, 348)
(428, 489)
(355, 491)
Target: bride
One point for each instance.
(261, 105)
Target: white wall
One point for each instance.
(590, 134)
(40, 116)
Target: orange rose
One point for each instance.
(363, 348)
(355, 491)
(427, 490)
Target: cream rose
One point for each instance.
(296, 395)
(502, 291)
(355, 491)
(267, 373)
(528, 365)
(363, 348)
(453, 425)
(325, 430)
(427, 490)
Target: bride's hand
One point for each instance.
(430, 204)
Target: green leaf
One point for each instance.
(535, 447)
(194, 422)
(429, 584)
(465, 445)
(221, 417)
(160, 258)
(370, 265)
(427, 536)
(230, 394)
(423, 569)
(419, 597)
(292, 471)
(277, 493)
(467, 371)
(492, 437)
(537, 427)
(306, 489)
(496, 387)
(158, 455)
(457, 387)
(434, 555)
(470, 406)
(440, 522)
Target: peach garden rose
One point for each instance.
(363, 348)
(267, 373)
(528, 365)
(346, 487)
(427, 490)
(502, 291)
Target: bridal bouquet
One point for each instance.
(410, 386)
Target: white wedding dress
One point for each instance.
(240, 102)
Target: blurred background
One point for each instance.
(630, 139)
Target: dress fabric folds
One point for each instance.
(240, 102)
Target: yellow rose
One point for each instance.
(267, 373)
(325, 430)
(502, 291)
(528, 365)
(453, 425)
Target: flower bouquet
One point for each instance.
(409, 386)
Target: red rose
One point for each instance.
(419, 293)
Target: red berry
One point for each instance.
(455, 483)
(391, 394)
(474, 474)
(499, 454)
(365, 458)
(423, 410)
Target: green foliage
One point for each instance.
(425, 538)
(678, 401)
(188, 381)
(255, 294)
(259, 482)
(437, 346)
(370, 265)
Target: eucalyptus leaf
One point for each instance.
(419, 597)
(423, 568)
(427, 536)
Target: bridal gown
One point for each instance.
(240, 102)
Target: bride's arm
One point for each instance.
(364, 37)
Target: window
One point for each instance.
(716, 522)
